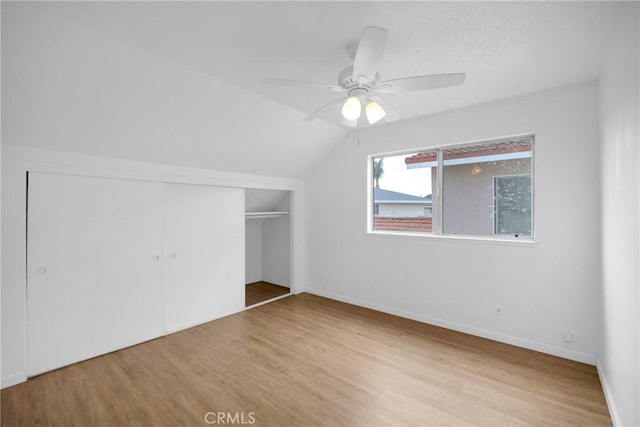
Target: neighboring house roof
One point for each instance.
(506, 147)
(386, 196)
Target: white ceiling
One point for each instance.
(505, 48)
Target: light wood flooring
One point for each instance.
(309, 361)
(262, 291)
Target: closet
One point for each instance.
(204, 254)
(114, 262)
(267, 243)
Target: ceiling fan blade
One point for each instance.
(303, 84)
(390, 112)
(370, 50)
(325, 109)
(433, 81)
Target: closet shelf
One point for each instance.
(263, 215)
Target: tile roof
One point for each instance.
(402, 223)
(504, 147)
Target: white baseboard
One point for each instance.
(13, 379)
(267, 301)
(607, 394)
(483, 333)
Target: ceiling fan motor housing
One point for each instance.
(347, 80)
(358, 91)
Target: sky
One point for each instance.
(397, 177)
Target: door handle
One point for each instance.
(172, 255)
(41, 270)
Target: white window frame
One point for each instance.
(437, 232)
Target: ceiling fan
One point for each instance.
(360, 84)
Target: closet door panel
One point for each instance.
(204, 248)
(94, 272)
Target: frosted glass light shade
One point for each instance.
(374, 112)
(352, 108)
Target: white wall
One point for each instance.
(268, 251)
(276, 245)
(620, 356)
(398, 209)
(0, 212)
(545, 288)
(16, 161)
(276, 251)
(253, 248)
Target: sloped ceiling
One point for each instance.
(266, 200)
(178, 82)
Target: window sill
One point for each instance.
(528, 242)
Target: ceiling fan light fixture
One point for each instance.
(352, 108)
(374, 112)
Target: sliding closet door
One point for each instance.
(204, 248)
(94, 268)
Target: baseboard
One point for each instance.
(13, 379)
(608, 397)
(267, 301)
(483, 333)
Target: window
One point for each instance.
(402, 193)
(512, 202)
(482, 189)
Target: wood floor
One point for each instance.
(310, 361)
(262, 291)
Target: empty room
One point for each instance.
(321, 213)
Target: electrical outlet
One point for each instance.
(498, 311)
(567, 337)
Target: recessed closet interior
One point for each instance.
(267, 244)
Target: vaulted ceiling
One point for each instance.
(179, 82)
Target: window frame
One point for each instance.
(436, 232)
